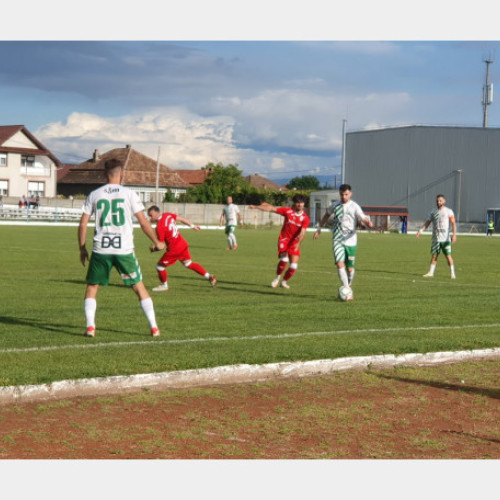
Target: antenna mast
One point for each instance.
(487, 93)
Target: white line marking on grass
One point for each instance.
(243, 338)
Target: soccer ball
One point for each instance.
(345, 293)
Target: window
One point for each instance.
(27, 160)
(3, 159)
(36, 188)
(4, 188)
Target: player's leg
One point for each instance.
(147, 306)
(447, 253)
(185, 259)
(282, 263)
(161, 270)
(98, 274)
(229, 237)
(350, 261)
(339, 255)
(90, 307)
(233, 238)
(294, 256)
(435, 249)
(130, 272)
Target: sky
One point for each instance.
(273, 102)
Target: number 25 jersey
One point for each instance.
(113, 206)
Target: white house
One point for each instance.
(27, 167)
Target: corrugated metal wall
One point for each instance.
(409, 166)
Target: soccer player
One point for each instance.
(231, 214)
(177, 246)
(295, 224)
(347, 214)
(113, 206)
(441, 219)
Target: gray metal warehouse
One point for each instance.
(408, 166)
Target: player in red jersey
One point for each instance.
(177, 246)
(292, 233)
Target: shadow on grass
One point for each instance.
(490, 393)
(74, 331)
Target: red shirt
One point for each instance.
(293, 223)
(167, 231)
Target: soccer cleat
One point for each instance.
(275, 283)
(235, 247)
(213, 280)
(284, 284)
(453, 277)
(90, 331)
(428, 275)
(161, 288)
(155, 332)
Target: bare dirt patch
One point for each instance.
(450, 411)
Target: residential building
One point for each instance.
(142, 174)
(194, 177)
(259, 182)
(27, 167)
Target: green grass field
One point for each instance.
(244, 320)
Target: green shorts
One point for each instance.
(100, 266)
(229, 229)
(343, 253)
(443, 246)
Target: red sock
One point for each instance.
(281, 267)
(289, 274)
(197, 268)
(162, 275)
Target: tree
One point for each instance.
(304, 183)
(222, 181)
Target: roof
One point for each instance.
(140, 170)
(66, 167)
(193, 177)
(260, 182)
(8, 131)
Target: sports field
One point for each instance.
(244, 320)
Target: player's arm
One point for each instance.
(454, 229)
(423, 228)
(221, 219)
(149, 231)
(265, 207)
(321, 224)
(188, 223)
(367, 222)
(82, 238)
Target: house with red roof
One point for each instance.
(27, 167)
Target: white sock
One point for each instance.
(350, 276)
(229, 241)
(233, 237)
(432, 269)
(452, 269)
(343, 276)
(149, 311)
(90, 306)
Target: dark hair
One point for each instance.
(299, 198)
(440, 196)
(111, 166)
(345, 187)
(153, 208)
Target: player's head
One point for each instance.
(229, 200)
(345, 193)
(154, 213)
(298, 202)
(113, 168)
(440, 200)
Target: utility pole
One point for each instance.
(157, 176)
(344, 127)
(487, 93)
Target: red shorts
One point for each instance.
(289, 246)
(171, 256)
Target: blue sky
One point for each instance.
(274, 107)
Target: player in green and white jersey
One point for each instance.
(346, 215)
(442, 218)
(231, 214)
(113, 206)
